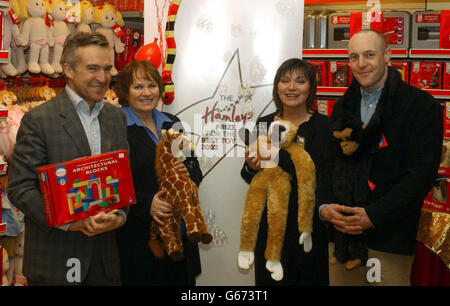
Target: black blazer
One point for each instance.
(138, 265)
(403, 172)
(53, 133)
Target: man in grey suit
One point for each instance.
(74, 124)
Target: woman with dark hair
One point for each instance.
(294, 91)
(139, 89)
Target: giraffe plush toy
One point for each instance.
(182, 193)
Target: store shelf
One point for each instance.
(132, 14)
(339, 91)
(330, 91)
(342, 53)
(3, 57)
(440, 93)
(430, 53)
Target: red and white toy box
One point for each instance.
(447, 119)
(86, 186)
(426, 75)
(437, 199)
(446, 76)
(321, 72)
(402, 67)
(325, 106)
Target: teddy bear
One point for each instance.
(11, 38)
(182, 192)
(36, 32)
(86, 16)
(60, 31)
(272, 185)
(110, 21)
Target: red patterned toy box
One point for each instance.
(447, 119)
(321, 72)
(446, 76)
(83, 187)
(325, 107)
(339, 74)
(403, 68)
(426, 75)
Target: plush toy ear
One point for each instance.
(164, 135)
(275, 134)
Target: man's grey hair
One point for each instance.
(77, 40)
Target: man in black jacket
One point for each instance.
(401, 142)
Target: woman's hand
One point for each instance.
(252, 160)
(160, 209)
(180, 167)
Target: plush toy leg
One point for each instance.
(112, 56)
(276, 269)
(175, 248)
(169, 238)
(46, 68)
(277, 207)
(57, 52)
(245, 259)
(154, 244)
(206, 237)
(18, 59)
(33, 65)
(8, 68)
(254, 206)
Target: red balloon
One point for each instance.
(150, 52)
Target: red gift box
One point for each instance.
(447, 119)
(339, 74)
(321, 72)
(426, 74)
(446, 76)
(86, 186)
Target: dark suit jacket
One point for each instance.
(138, 265)
(53, 133)
(402, 172)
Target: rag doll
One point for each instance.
(110, 21)
(182, 193)
(86, 17)
(36, 32)
(10, 32)
(272, 187)
(15, 273)
(60, 31)
(17, 49)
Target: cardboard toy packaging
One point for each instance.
(321, 71)
(446, 112)
(426, 75)
(446, 76)
(339, 74)
(325, 107)
(86, 186)
(402, 67)
(437, 198)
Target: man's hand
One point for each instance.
(336, 215)
(363, 219)
(160, 209)
(98, 224)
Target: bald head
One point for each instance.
(369, 58)
(378, 37)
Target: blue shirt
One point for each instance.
(369, 102)
(158, 117)
(89, 119)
